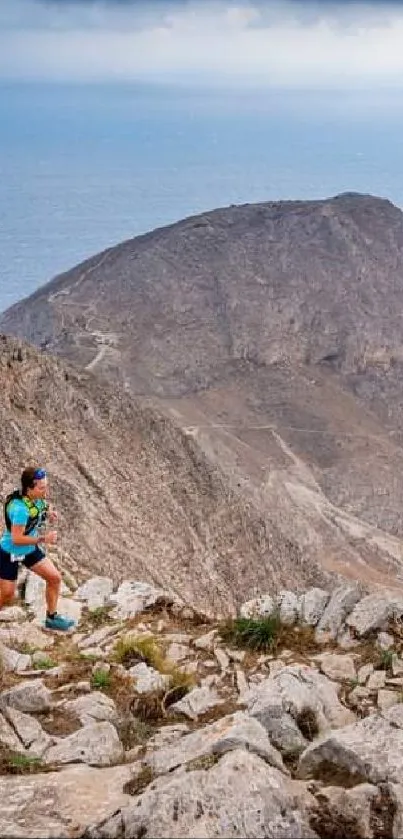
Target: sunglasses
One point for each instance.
(39, 474)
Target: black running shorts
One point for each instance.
(9, 567)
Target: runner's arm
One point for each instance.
(19, 537)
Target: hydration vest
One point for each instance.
(36, 515)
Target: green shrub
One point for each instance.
(101, 679)
(252, 633)
(44, 663)
(386, 658)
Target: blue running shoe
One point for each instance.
(59, 623)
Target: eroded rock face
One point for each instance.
(312, 605)
(146, 679)
(28, 729)
(197, 702)
(93, 707)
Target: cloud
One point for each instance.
(277, 43)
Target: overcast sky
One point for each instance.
(267, 43)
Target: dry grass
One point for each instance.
(138, 784)
(226, 708)
(59, 722)
(148, 707)
(330, 823)
(370, 653)
(133, 731)
(94, 618)
(301, 640)
(120, 688)
(74, 670)
(131, 650)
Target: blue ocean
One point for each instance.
(83, 167)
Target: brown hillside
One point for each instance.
(272, 335)
(137, 497)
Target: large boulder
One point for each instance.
(133, 597)
(60, 804)
(239, 796)
(296, 704)
(370, 750)
(30, 697)
(342, 601)
(312, 604)
(95, 592)
(374, 611)
(231, 732)
(97, 745)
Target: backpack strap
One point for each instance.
(35, 516)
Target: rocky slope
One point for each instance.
(271, 334)
(152, 720)
(135, 495)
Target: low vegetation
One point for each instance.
(97, 617)
(269, 635)
(44, 663)
(133, 731)
(130, 650)
(260, 634)
(16, 763)
(101, 679)
(139, 782)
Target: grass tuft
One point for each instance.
(258, 634)
(15, 763)
(130, 650)
(44, 663)
(101, 679)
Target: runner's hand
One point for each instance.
(50, 538)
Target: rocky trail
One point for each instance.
(152, 720)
